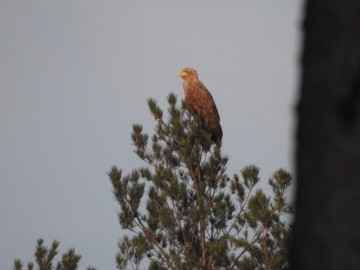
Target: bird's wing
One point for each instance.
(207, 92)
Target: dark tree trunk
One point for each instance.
(327, 223)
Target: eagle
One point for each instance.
(200, 102)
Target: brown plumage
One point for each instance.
(199, 101)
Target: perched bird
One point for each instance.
(199, 101)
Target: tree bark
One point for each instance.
(327, 224)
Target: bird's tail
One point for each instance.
(216, 134)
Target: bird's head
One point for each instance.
(188, 74)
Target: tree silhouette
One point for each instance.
(326, 230)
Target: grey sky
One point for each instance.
(74, 77)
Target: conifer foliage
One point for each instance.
(45, 256)
(185, 212)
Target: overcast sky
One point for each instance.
(75, 76)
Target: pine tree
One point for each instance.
(45, 256)
(185, 212)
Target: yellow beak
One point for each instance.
(181, 74)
